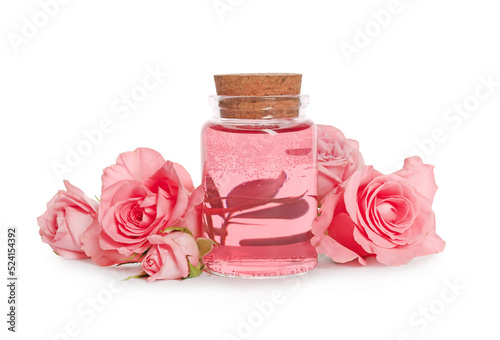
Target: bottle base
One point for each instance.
(252, 268)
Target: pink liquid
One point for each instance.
(261, 184)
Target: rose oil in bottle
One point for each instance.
(260, 177)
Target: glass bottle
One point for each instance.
(260, 177)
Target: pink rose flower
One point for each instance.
(69, 214)
(169, 255)
(389, 216)
(141, 194)
(192, 219)
(338, 159)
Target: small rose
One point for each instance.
(389, 216)
(171, 256)
(338, 159)
(69, 214)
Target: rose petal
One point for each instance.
(69, 255)
(136, 165)
(337, 252)
(338, 159)
(184, 176)
(77, 192)
(192, 218)
(359, 179)
(99, 256)
(77, 223)
(420, 176)
(342, 231)
(321, 223)
(432, 244)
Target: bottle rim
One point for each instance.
(298, 101)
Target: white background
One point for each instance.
(430, 56)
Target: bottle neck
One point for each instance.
(259, 107)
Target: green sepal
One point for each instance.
(140, 276)
(143, 254)
(205, 245)
(130, 258)
(170, 229)
(56, 253)
(195, 271)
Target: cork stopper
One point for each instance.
(259, 95)
(258, 84)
